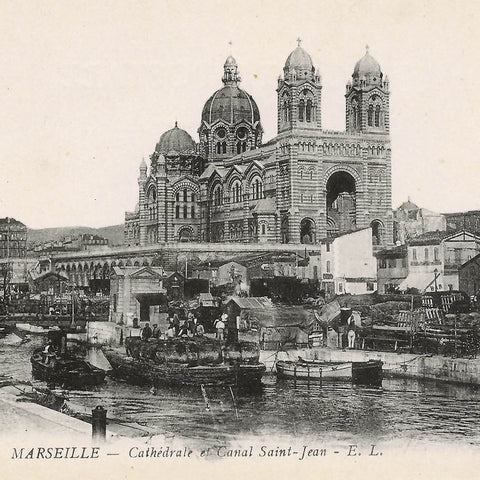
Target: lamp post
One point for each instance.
(209, 273)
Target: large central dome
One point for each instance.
(230, 103)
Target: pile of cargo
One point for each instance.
(192, 352)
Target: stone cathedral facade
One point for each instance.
(305, 184)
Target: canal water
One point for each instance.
(408, 410)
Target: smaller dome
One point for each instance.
(175, 141)
(367, 65)
(299, 59)
(408, 206)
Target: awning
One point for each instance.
(419, 281)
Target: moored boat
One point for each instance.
(360, 373)
(65, 370)
(186, 362)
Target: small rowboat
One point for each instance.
(360, 373)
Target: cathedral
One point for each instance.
(302, 186)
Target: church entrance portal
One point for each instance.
(341, 201)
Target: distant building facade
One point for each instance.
(348, 264)
(434, 260)
(13, 238)
(469, 221)
(392, 269)
(305, 184)
(85, 241)
(410, 221)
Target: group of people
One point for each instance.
(189, 328)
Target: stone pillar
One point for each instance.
(162, 220)
(142, 213)
(170, 203)
(245, 212)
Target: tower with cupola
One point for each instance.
(367, 98)
(299, 93)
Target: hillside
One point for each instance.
(114, 233)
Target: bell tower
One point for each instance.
(299, 93)
(367, 98)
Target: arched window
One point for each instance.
(219, 147)
(301, 110)
(256, 189)
(185, 194)
(224, 147)
(328, 266)
(192, 211)
(236, 192)
(377, 116)
(370, 116)
(185, 211)
(354, 117)
(263, 229)
(377, 232)
(426, 254)
(241, 146)
(435, 254)
(308, 112)
(177, 211)
(217, 195)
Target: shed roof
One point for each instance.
(36, 277)
(251, 302)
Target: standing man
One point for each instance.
(351, 332)
(220, 326)
(155, 331)
(146, 332)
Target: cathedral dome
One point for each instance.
(366, 66)
(299, 66)
(175, 141)
(299, 59)
(230, 103)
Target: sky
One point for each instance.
(87, 88)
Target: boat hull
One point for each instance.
(67, 372)
(141, 371)
(360, 373)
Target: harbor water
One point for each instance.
(404, 409)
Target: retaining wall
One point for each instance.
(434, 367)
